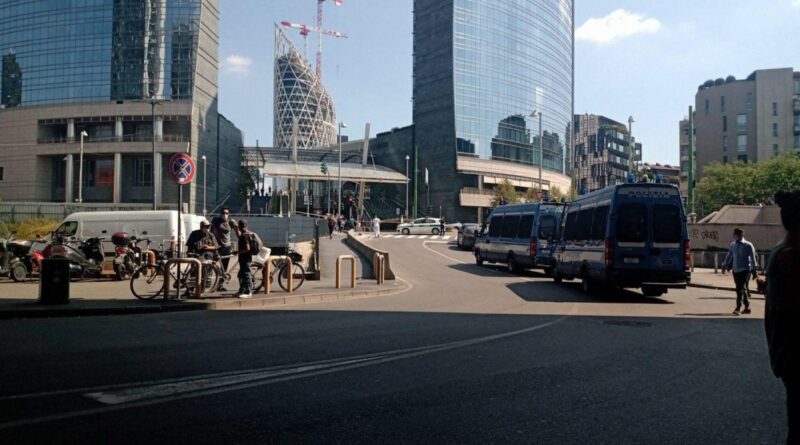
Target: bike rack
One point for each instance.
(379, 267)
(268, 271)
(339, 260)
(151, 256)
(198, 267)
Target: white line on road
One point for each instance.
(423, 236)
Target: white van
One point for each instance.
(159, 226)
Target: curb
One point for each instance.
(709, 286)
(53, 312)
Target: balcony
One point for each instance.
(472, 197)
(112, 139)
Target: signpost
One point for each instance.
(181, 169)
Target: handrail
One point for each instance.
(198, 267)
(267, 271)
(379, 267)
(339, 260)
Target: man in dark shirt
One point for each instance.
(245, 260)
(201, 241)
(221, 227)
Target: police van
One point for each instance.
(520, 235)
(625, 236)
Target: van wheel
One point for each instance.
(478, 258)
(588, 286)
(548, 271)
(652, 291)
(405, 232)
(511, 264)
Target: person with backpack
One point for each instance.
(221, 227)
(249, 244)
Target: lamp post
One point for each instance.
(153, 103)
(205, 209)
(341, 125)
(80, 170)
(537, 113)
(407, 181)
(632, 148)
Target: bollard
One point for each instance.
(198, 267)
(268, 273)
(339, 260)
(379, 267)
(716, 262)
(692, 259)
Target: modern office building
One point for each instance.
(669, 174)
(748, 120)
(300, 100)
(112, 76)
(480, 70)
(683, 137)
(605, 153)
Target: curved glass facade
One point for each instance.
(511, 57)
(69, 51)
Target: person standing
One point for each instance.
(741, 259)
(441, 226)
(376, 226)
(245, 260)
(331, 225)
(782, 310)
(221, 228)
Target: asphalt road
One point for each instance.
(467, 355)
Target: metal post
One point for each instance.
(80, 171)
(632, 146)
(178, 241)
(339, 203)
(153, 118)
(690, 178)
(541, 155)
(407, 181)
(205, 175)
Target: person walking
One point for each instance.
(221, 228)
(376, 226)
(331, 225)
(782, 310)
(741, 259)
(441, 226)
(245, 260)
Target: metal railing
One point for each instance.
(23, 211)
(112, 139)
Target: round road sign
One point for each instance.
(181, 168)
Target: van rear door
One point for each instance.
(631, 251)
(667, 241)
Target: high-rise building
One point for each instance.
(122, 73)
(481, 69)
(748, 120)
(683, 137)
(605, 153)
(300, 100)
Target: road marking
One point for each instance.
(446, 237)
(423, 236)
(144, 394)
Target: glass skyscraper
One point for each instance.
(481, 68)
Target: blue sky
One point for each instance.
(637, 58)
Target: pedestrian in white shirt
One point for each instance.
(376, 227)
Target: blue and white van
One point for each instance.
(625, 236)
(521, 236)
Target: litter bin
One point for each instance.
(54, 281)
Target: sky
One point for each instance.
(632, 58)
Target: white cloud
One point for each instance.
(617, 25)
(796, 3)
(237, 64)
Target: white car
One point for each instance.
(421, 226)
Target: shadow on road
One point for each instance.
(729, 298)
(541, 291)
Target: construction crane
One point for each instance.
(305, 30)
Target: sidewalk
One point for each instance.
(105, 297)
(706, 278)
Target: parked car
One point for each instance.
(521, 236)
(466, 235)
(421, 226)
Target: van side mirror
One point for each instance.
(144, 233)
(104, 232)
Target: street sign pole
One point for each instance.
(181, 169)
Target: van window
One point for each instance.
(600, 223)
(632, 223)
(510, 226)
(584, 230)
(525, 226)
(571, 226)
(69, 228)
(666, 223)
(495, 225)
(547, 226)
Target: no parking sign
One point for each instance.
(181, 168)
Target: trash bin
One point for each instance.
(54, 281)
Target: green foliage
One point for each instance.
(724, 184)
(32, 228)
(556, 193)
(505, 191)
(531, 196)
(247, 181)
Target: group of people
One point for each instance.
(782, 309)
(339, 224)
(213, 240)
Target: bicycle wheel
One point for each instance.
(298, 276)
(187, 281)
(211, 277)
(258, 277)
(147, 282)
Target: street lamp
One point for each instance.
(341, 125)
(80, 170)
(537, 113)
(204, 184)
(407, 181)
(632, 147)
(153, 103)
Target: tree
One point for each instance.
(556, 193)
(532, 194)
(505, 191)
(247, 182)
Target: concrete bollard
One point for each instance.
(339, 260)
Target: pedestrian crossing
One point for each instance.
(425, 237)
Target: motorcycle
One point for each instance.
(127, 253)
(11, 254)
(86, 258)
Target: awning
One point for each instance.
(350, 172)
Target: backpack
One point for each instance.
(255, 244)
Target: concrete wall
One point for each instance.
(719, 236)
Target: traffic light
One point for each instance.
(323, 167)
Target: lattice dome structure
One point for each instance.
(300, 94)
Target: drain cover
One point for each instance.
(629, 323)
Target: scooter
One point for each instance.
(11, 252)
(86, 258)
(127, 254)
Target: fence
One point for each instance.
(22, 211)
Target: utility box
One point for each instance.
(54, 281)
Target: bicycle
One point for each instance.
(279, 267)
(147, 282)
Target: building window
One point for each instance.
(724, 123)
(797, 141)
(89, 171)
(742, 158)
(143, 172)
(741, 123)
(1, 173)
(708, 105)
(774, 108)
(725, 159)
(741, 144)
(775, 149)
(724, 144)
(722, 104)
(797, 86)
(749, 101)
(774, 130)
